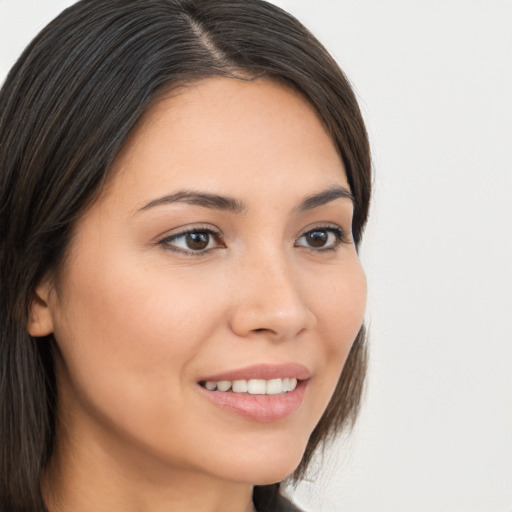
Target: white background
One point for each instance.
(434, 79)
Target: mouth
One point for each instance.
(277, 386)
(262, 393)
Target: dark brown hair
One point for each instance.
(67, 108)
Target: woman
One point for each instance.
(184, 186)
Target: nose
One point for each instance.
(269, 301)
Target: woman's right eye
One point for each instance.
(193, 241)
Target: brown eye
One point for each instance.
(193, 242)
(316, 238)
(198, 240)
(321, 238)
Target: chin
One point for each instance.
(267, 465)
(273, 475)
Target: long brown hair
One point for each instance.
(67, 108)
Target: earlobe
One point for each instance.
(40, 320)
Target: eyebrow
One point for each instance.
(331, 194)
(213, 201)
(225, 203)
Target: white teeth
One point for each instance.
(254, 386)
(240, 386)
(275, 386)
(223, 385)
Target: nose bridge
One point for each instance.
(269, 299)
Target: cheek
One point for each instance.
(340, 306)
(144, 324)
(127, 347)
(339, 309)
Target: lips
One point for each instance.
(262, 371)
(262, 393)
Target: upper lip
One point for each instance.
(263, 371)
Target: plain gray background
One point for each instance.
(434, 79)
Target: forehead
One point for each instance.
(221, 133)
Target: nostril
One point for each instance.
(281, 316)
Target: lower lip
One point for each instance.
(262, 408)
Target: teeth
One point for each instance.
(275, 386)
(240, 386)
(254, 386)
(223, 385)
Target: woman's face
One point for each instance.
(220, 250)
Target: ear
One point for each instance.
(40, 319)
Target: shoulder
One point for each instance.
(268, 498)
(284, 505)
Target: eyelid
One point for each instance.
(341, 235)
(166, 239)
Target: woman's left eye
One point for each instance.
(194, 241)
(323, 238)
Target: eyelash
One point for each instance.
(339, 234)
(336, 231)
(168, 240)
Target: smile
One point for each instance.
(253, 386)
(262, 392)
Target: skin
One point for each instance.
(138, 323)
